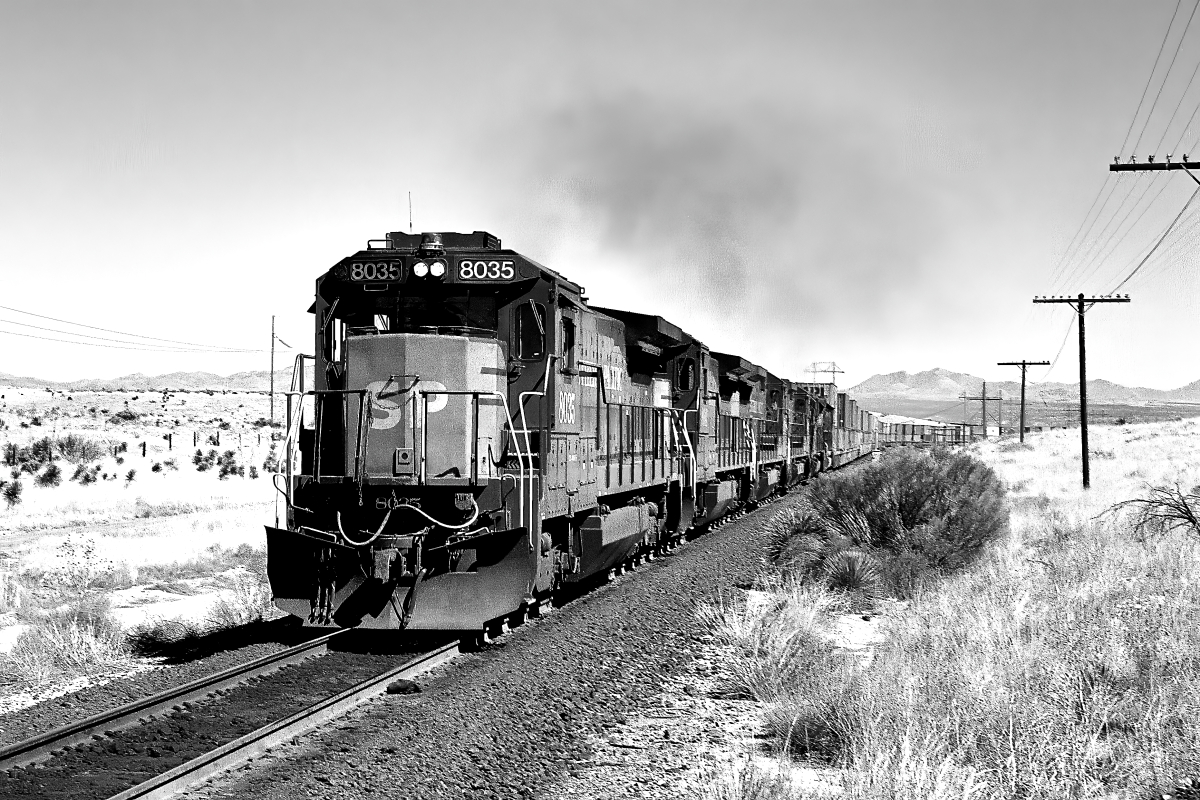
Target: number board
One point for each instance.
(376, 270)
(478, 269)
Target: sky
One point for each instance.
(884, 185)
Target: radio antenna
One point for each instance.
(410, 230)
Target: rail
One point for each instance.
(40, 747)
(221, 759)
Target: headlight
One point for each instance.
(437, 268)
(420, 269)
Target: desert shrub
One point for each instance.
(227, 465)
(51, 476)
(890, 526)
(81, 638)
(80, 450)
(271, 462)
(204, 461)
(154, 637)
(12, 493)
(156, 467)
(120, 460)
(1163, 509)
(225, 425)
(124, 415)
(253, 472)
(170, 464)
(129, 476)
(11, 451)
(247, 600)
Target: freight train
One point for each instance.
(471, 434)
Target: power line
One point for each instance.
(1100, 242)
(1167, 74)
(90, 344)
(106, 339)
(1160, 240)
(1061, 346)
(123, 333)
(1100, 256)
(1150, 77)
(1182, 95)
(1067, 253)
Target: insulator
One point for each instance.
(1133, 159)
(1168, 158)
(1116, 159)
(1150, 160)
(1185, 158)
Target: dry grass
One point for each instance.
(1064, 663)
(81, 638)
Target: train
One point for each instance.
(471, 435)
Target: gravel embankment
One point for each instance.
(63, 710)
(517, 719)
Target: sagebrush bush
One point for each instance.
(12, 492)
(51, 476)
(892, 525)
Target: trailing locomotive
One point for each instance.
(471, 434)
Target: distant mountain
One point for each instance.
(257, 381)
(943, 384)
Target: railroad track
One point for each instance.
(168, 781)
(222, 758)
(29, 768)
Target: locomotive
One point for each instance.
(471, 435)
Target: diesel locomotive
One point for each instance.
(471, 434)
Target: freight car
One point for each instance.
(471, 434)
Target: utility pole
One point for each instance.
(274, 339)
(829, 367)
(983, 398)
(1082, 304)
(1023, 364)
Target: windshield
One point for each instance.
(422, 313)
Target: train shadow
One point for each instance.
(176, 642)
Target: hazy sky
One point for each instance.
(885, 185)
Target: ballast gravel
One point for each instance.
(517, 719)
(160, 676)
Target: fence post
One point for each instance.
(143, 449)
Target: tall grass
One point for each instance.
(1062, 661)
(81, 638)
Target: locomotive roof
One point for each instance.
(739, 368)
(653, 329)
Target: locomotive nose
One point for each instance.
(437, 416)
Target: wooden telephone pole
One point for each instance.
(1023, 365)
(274, 339)
(1082, 304)
(983, 398)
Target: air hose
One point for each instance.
(382, 525)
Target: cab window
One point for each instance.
(685, 374)
(531, 331)
(568, 344)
